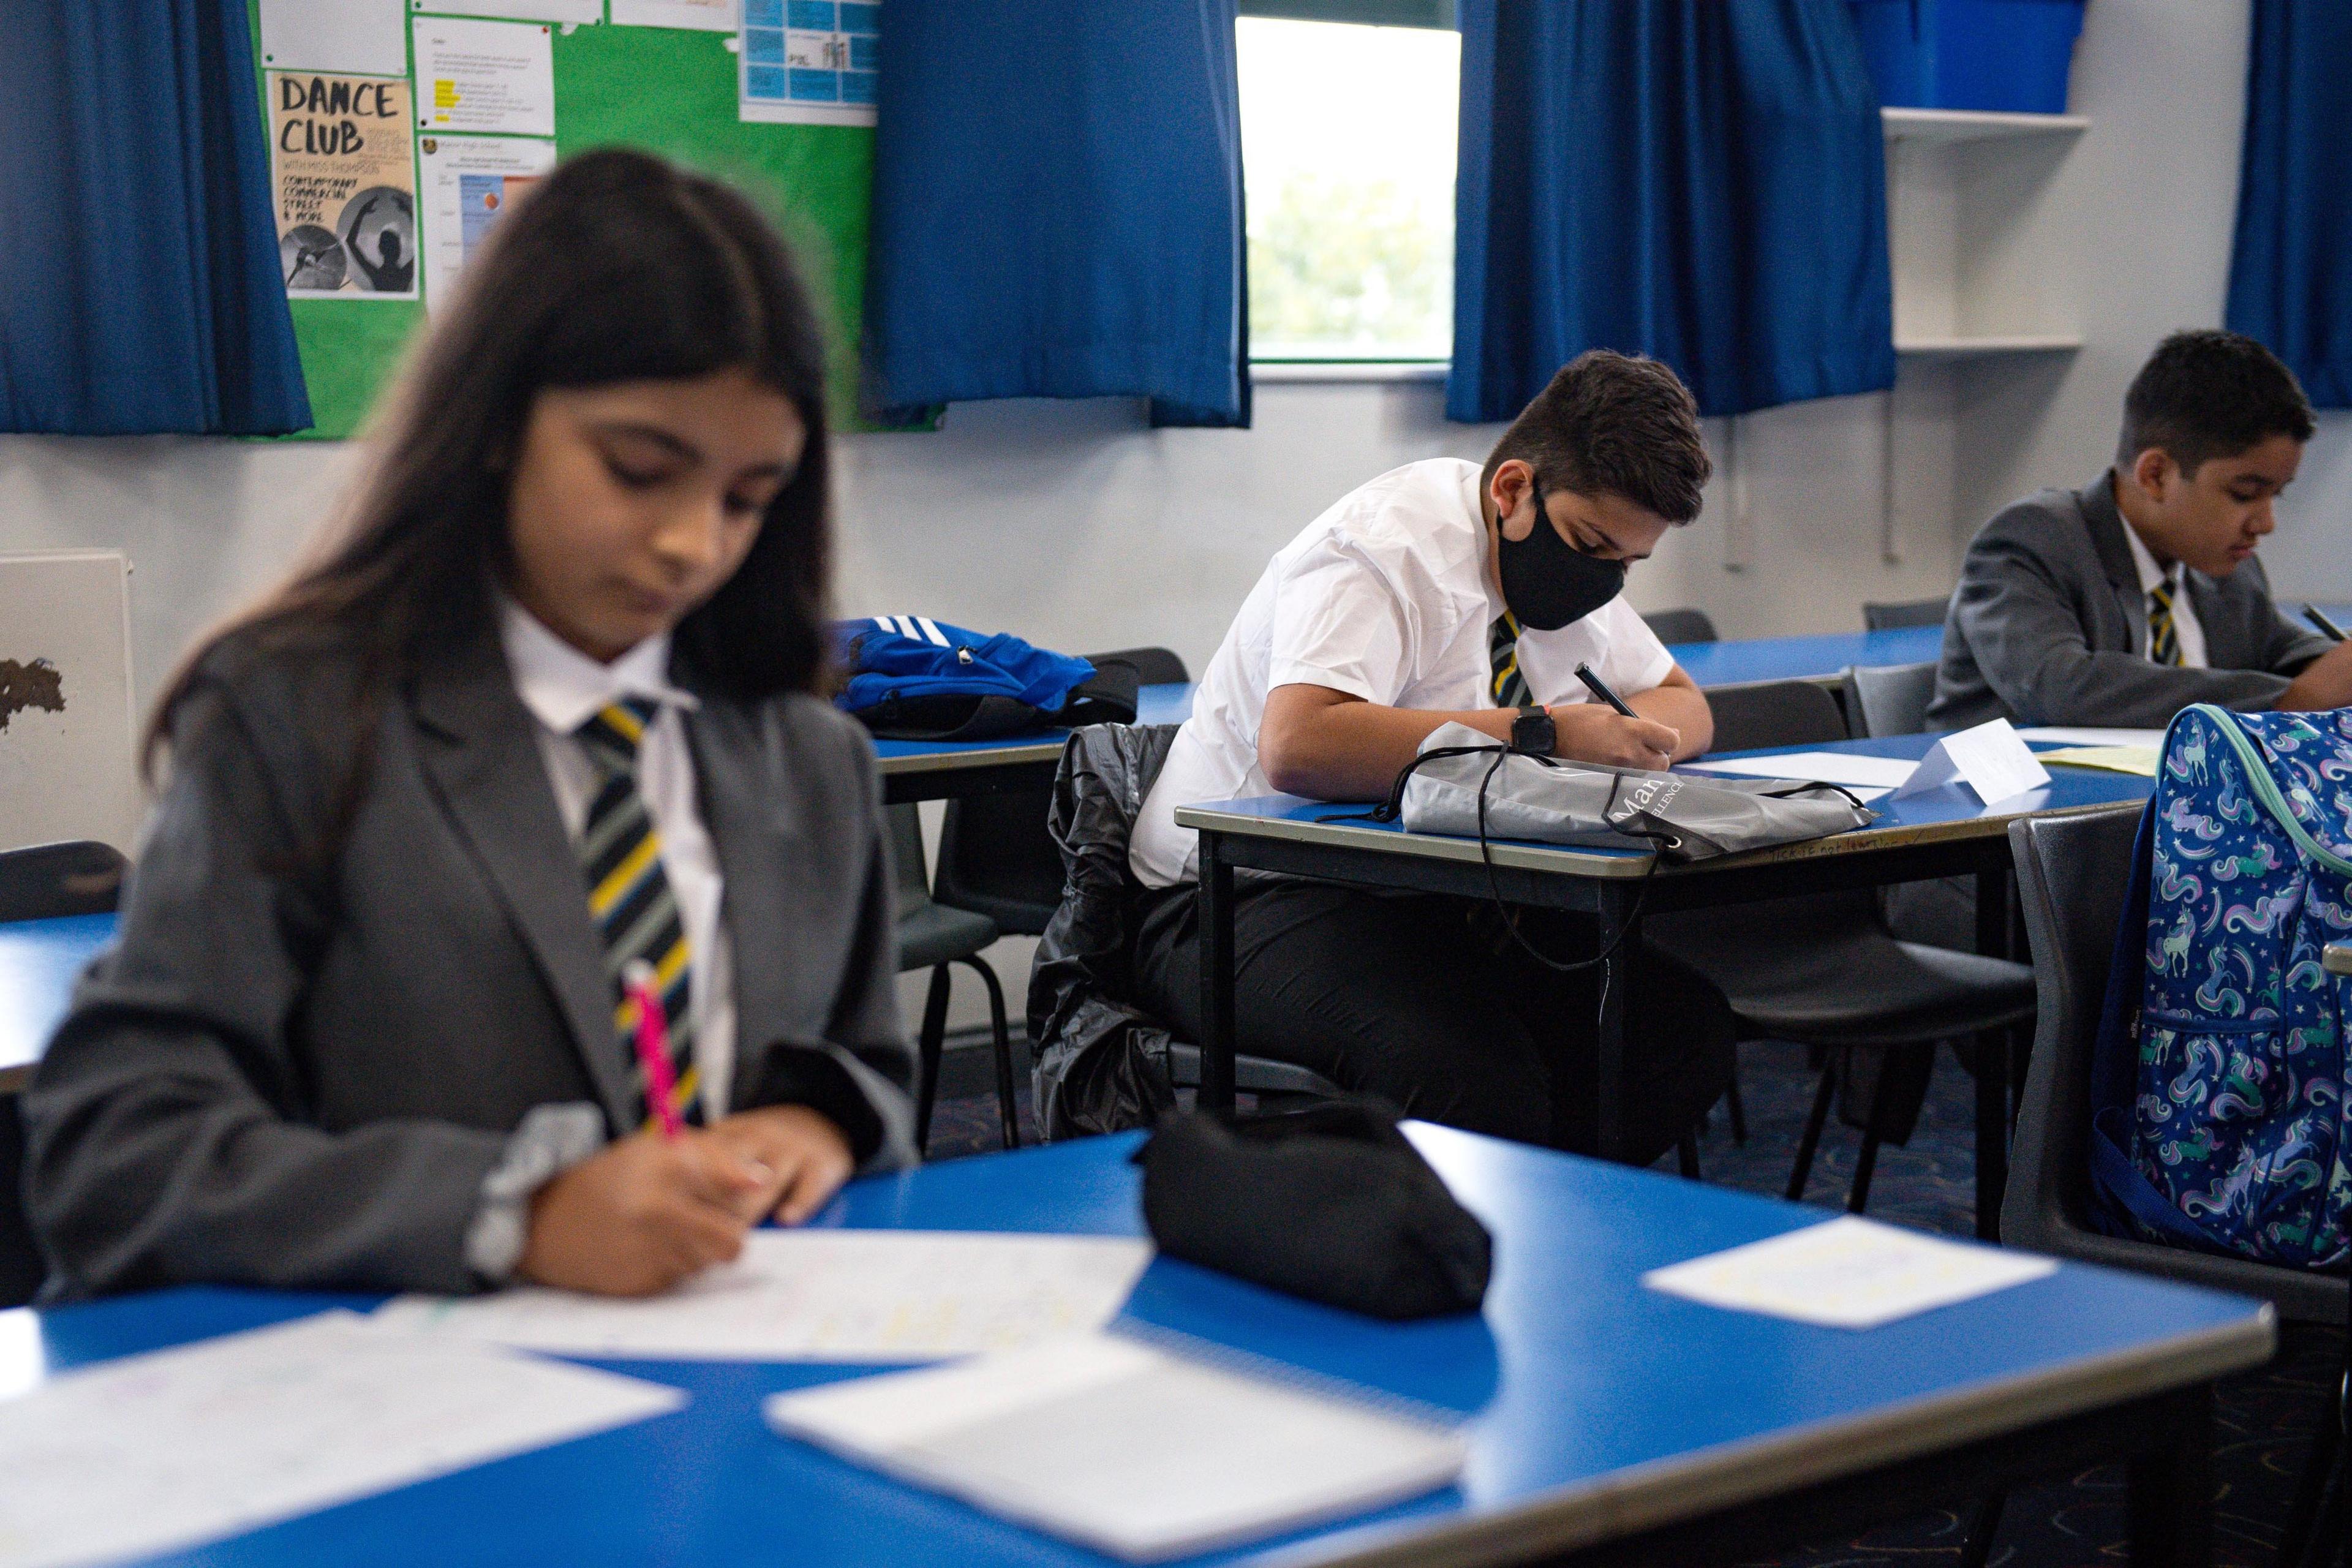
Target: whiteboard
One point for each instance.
(67, 721)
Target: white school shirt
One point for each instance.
(1384, 597)
(562, 688)
(2187, 630)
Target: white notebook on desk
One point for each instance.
(1131, 1448)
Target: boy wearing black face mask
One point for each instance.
(1443, 593)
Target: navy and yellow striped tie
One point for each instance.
(629, 895)
(2163, 641)
(1508, 687)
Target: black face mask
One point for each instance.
(1546, 580)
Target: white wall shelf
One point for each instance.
(1948, 348)
(1949, 126)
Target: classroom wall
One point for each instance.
(1078, 526)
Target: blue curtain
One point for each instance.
(2291, 271)
(139, 284)
(1058, 206)
(1702, 180)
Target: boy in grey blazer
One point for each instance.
(2120, 603)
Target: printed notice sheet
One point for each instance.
(495, 78)
(468, 183)
(810, 62)
(364, 37)
(342, 174)
(161, 1451)
(822, 1295)
(573, 11)
(1848, 1273)
(702, 15)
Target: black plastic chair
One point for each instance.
(994, 857)
(1820, 970)
(1890, 698)
(1681, 625)
(2072, 875)
(45, 881)
(1909, 613)
(934, 937)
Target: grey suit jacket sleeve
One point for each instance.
(2027, 634)
(163, 1139)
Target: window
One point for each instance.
(1348, 131)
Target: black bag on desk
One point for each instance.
(1331, 1203)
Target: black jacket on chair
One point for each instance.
(1101, 1065)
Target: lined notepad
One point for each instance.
(1133, 1448)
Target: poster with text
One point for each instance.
(810, 62)
(700, 16)
(467, 184)
(343, 178)
(494, 78)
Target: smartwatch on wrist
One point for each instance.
(1534, 732)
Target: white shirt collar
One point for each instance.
(2151, 576)
(562, 686)
(1474, 507)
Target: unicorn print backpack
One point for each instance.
(2218, 1084)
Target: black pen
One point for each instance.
(1599, 687)
(2333, 633)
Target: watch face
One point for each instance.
(1533, 732)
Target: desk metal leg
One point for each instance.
(2170, 1489)
(1215, 922)
(1616, 975)
(1992, 1054)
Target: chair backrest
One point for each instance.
(1890, 699)
(1909, 613)
(1681, 625)
(2072, 872)
(911, 878)
(1153, 665)
(994, 855)
(1774, 713)
(81, 877)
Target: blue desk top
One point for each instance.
(1804, 658)
(39, 961)
(1167, 703)
(1943, 812)
(1586, 1397)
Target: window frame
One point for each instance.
(1435, 15)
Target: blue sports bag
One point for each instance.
(915, 679)
(2217, 1088)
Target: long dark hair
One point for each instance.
(616, 267)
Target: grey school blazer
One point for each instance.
(2049, 627)
(294, 1073)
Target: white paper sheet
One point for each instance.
(1882, 774)
(702, 15)
(1990, 759)
(1115, 1443)
(154, 1452)
(495, 78)
(1849, 1273)
(573, 11)
(824, 1295)
(465, 183)
(359, 38)
(2059, 735)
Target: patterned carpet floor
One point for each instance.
(2264, 1420)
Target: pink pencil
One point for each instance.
(653, 1044)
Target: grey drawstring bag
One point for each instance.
(1467, 784)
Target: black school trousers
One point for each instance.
(1426, 1002)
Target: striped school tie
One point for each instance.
(2163, 642)
(630, 897)
(1508, 687)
